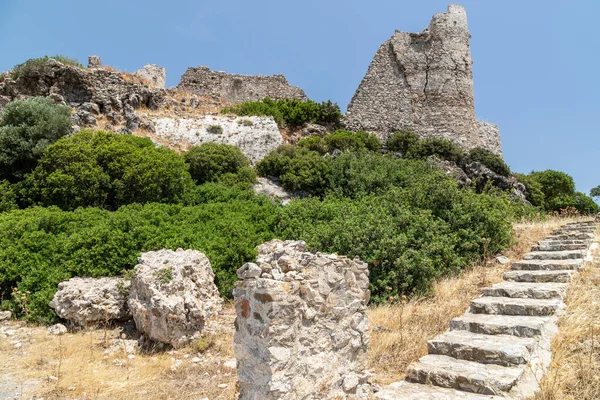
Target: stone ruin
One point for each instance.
(234, 88)
(423, 82)
(301, 328)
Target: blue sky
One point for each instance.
(535, 61)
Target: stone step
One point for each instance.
(555, 255)
(415, 391)
(489, 324)
(574, 230)
(572, 236)
(528, 290)
(487, 349)
(464, 375)
(560, 276)
(515, 306)
(547, 265)
(558, 246)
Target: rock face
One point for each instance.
(173, 295)
(301, 327)
(86, 301)
(423, 82)
(255, 136)
(234, 88)
(154, 74)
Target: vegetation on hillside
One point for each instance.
(35, 63)
(290, 112)
(92, 202)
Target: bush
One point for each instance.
(297, 169)
(534, 193)
(41, 247)
(215, 129)
(103, 169)
(290, 112)
(441, 148)
(210, 162)
(8, 196)
(351, 141)
(27, 128)
(36, 63)
(491, 160)
(584, 204)
(402, 141)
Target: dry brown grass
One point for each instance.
(83, 369)
(575, 369)
(400, 332)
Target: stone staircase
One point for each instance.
(500, 347)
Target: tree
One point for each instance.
(27, 128)
(211, 162)
(595, 192)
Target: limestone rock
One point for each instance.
(153, 74)
(57, 329)
(173, 295)
(234, 88)
(452, 170)
(301, 326)
(424, 82)
(85, 301)
(94, 62)
(5, 315)
(271, 187)
(255, 140)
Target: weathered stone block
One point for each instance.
(301, 327)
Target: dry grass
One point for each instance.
(575, 369)
(83, 369)
(400, 332)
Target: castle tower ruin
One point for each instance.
(424, 82)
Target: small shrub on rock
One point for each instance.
(351, 141)
(215, 129)
(491, 160)
(27, 128)
(441, 148)
(36, 63)
(402, 141)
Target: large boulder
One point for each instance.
(173, 295)
(86, 301)
(153, 74)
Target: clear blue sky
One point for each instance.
(535, 61)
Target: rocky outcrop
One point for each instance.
(482, 176)
(255, 136)
(90, 91)
(173, 295)
(234, 88)
(501, 347)
(301, 326)
(423, 82)
(153, 74)
(85, 301)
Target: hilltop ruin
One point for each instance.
(424, 82)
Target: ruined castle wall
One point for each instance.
(233, 88)
(423, 82)
(301, 327)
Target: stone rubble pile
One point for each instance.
(500, 348)
(301, 326)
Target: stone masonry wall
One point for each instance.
(424, 82)
(301, 327)
(233, 88)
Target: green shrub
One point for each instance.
(441, 148)
(36, 63)
(290, 112)
(402, 141)
(209, 162)
(491, 160)
(8, 196)
(103, 169)
(27, 128)
(41, 247)
(297, 169)
(351, 141)
(215, 129)
(313, 143)
(554, 184)
(534, 193)
(584, 204)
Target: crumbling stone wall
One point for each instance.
(301, 327)
(233, 88)
(424, 82)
